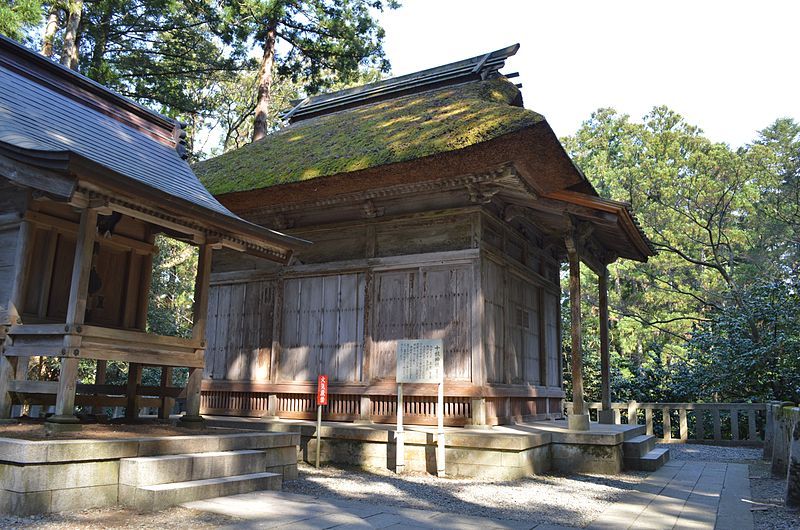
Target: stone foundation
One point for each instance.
(71, 475)
(501, 453)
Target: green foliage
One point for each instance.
(400, 129)
(18, 16)
(320, 42)
(689, 324)
(169, 310)
(752, 352)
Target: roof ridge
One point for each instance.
(480, 67)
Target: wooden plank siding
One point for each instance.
(365, 285)
(239, 333)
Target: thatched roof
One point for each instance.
(395, 130)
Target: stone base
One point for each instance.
(606, 417)
(364, 422)
(192, 422)
(578, 422)
(62, 424)
(478, 427)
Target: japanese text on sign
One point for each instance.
(322, 390)
(419, 361)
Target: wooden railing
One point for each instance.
(712, 423)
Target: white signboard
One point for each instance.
(419, 361)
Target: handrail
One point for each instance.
(725, 420)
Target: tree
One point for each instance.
(17, 16)
(324, 40)
(724, 222)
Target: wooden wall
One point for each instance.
(239, 332)
(119, 271)
(13, 202)
(342, 304)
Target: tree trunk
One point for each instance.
(50, 32)
(69, 54)
(264, 85)
(100, 45)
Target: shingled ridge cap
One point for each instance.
(480, 67)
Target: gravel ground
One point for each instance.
(119, 518)
(713, 453)
(768, 492)
(557, 499)
(568, 500)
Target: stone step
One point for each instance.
(160, 496)
(175, 445)
(652, 461)
(638, 446)
(153, 470)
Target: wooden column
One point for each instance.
(192, 417)
(134, 380)
(76, 312)
(579, 419)
(9, 365)
(167, 403)
(605, 415)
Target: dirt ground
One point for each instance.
(34, 429)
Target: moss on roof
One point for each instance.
(386, 132)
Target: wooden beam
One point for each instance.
(76, 312)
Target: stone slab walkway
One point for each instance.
(681, 495)
(685, 495)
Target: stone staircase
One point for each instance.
(150, 483)
(640, 453)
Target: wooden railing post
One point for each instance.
(716, 424)
(633, 413)
(699, 424)
(684, 424)
(752, 432)
(667, 422)
(648, 420)
(734, 424)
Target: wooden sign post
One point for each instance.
(322, 399)
(420, 361)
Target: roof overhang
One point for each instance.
(66, 176)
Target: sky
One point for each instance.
(729, 67)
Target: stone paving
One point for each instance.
(680, 495)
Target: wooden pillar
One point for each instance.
(167, 403)
(605, 415)
(133, 402)
(11, 366)
(192, 417)
(579, 419)
(76, 312)
(99, 379)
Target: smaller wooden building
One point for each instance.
(87, 179)
(439, 207)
